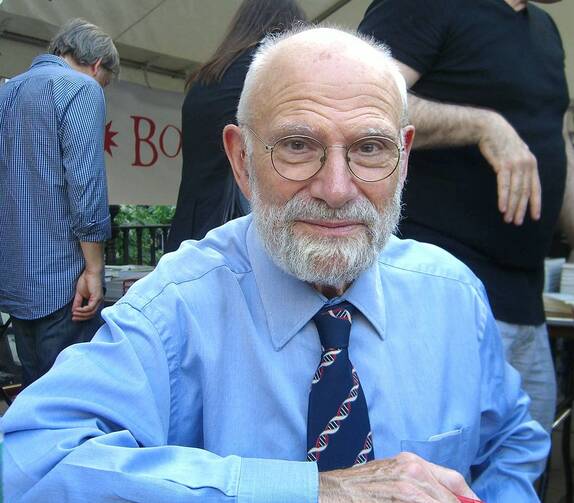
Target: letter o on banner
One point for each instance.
(174, 141)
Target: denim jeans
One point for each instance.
(528, 350)
(40, 341)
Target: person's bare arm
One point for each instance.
(405, 478)
(89, 288)
(446, 125)
(567, 212)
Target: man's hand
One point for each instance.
(89, 288)
(405, 478)
(515, 167)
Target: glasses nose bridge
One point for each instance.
(336, 145)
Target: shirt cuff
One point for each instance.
(276, 481)
(95, 232)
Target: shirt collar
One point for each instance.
(367, 295)
(290, 303)
(44, 59)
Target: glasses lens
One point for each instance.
(373, 158)
(297, 157)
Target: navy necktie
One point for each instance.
(338, 427)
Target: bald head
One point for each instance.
(331, 55)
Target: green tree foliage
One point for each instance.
(131, 214)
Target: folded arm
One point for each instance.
(446, 125)
(98, 427)
(512, 450)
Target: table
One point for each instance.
(120, 278)
(561, 331)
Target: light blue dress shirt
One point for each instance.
(53, 191)
(196, 389)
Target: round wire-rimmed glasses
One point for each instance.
(299, 157)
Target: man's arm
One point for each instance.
(81, 137)
(89, 288)
(512, 448)
(100, 427)
(446, 125)
(567, 212)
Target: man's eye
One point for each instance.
(296, 145)
(370, 147)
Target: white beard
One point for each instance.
(320, 260)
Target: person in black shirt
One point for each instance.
(208, 195)
(488, 98)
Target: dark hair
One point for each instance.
(86, 43)
(252, 21)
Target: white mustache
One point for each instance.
(300, 207)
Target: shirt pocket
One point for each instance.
(444, 449)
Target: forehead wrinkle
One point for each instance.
(340, 91)
(350, 107)
(316, 116)
(344, 96)
(359, 125)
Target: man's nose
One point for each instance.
(334, 183)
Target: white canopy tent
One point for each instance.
(160, 41)
(165, 39)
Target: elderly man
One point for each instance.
(54, 215)
(301, 354)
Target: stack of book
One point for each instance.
(558, 288)
(552, 273)
(558, 305)
(567, 279)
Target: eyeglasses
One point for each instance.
(104, 76)
(298, 158)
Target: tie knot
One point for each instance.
(334, 325)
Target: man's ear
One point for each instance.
(235, 150)
(94, 67)
(408, 133)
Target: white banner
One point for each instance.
(142, 144)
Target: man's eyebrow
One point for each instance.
(289, 129)
(380, 131)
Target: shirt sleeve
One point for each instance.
(414, 30)
(513, 447)
(97, 428)
(81, 135)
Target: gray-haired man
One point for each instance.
(53, 197)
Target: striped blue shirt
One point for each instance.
(53, 192)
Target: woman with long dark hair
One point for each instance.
(208, 195)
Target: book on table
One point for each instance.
(560, 305)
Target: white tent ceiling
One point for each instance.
(168, 38)
(163, 36)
